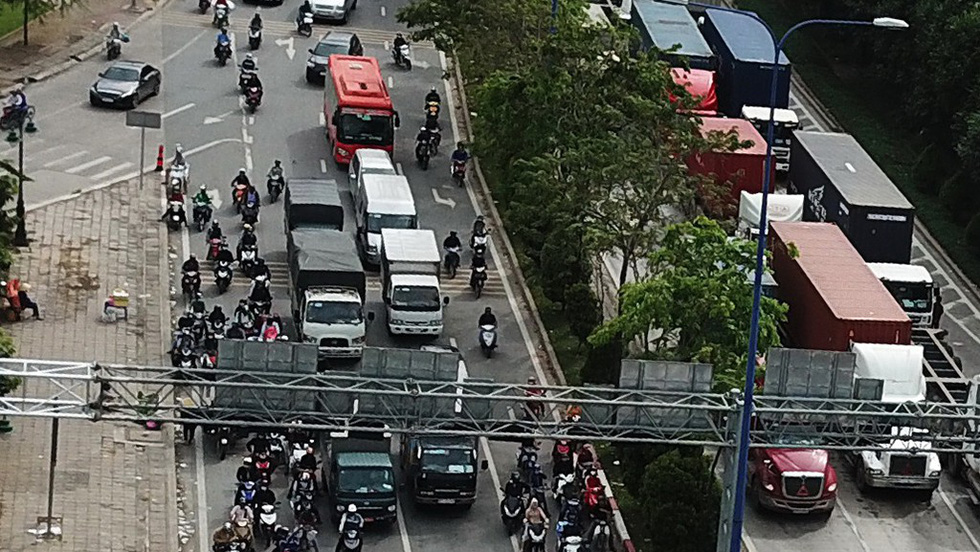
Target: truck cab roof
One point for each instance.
(466, 443)
(388, 194)
(781, 116)
(894, 272)
(899, 366)
(362, 460)
(415, 280)
(329, 293)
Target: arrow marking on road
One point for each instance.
(215, 196)
(441, 200)
(218, 119)
(288, 43)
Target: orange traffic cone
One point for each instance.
(160, 159)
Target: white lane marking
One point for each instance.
(497, 487)
(398, 168)
(442, 200)
(748, 542)
(402, 530)
(386, 45)
(181, 50)
(391, 82)
(147, 168)
(65, 159)
(853, 526)
(959, 519)
(383, 12)
(111, 171)
(180, 109)
(46, 151)
(323, 119)
(511, 299)
(251, 120)
(246, 139)
(203, 528)
(248, 159)
(323, 166)
(95, 162)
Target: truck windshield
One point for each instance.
(365, 480)
(319, 312)
(912, 297)
(364, 129)
(376, 222)
(415, 298)
(448, 461)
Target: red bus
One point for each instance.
(357, 107)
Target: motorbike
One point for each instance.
(174, 221)
(202, 215)
(403, 56)
(265, 526)
(264, 467)
(302, 502)
(571, 543)
(190, 284)
(250, 214)
(305, 26)
(220, 19)
(459, 173)
(452, 261)
(423, 151)
(253, 98)
(262, 307)
(599, 537)
(434, 142)
(223, 53)
(478, 279)
(113, 46)
(559, 488)
(203, 5)
(222, 276)
(238, 196)
(526, 457)
(216, 327)
(275, 186)
(13, 118)
(488, 338)
(254, 38)
(536, 536)
(478, 243)
(351, 541)
(183, 357)
(223, 436)
(249, 253)
(246, 490)
(215, 245)
(512, 513)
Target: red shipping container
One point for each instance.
(743, 168)
(699, 84)
(833, 296)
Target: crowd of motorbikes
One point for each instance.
(254, 519)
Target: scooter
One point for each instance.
(477, 280)
(223, 53)
(220, 17)
(459, 173)
(536, 536)
(266, 524)
(403, 56)
(254, 38)
(275, 187)
(222, 276)
(113, 47)
(512, 514)
(203, 5)
(352, 541)
(202, 215)
(423, 151)
(253, 98)
(215, 245)
(452, 261)
(174, 221)
(305, 26)
(247, 264)
(599, 537)
(572, 543)
(190, 284)
(488, 337)
(560, 482)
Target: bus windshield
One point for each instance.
(364, 129)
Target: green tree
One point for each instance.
(699, 297)
(681, 500)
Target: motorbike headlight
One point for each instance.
(340, 508)
(397, 322)
(392, 508)
(372, 249)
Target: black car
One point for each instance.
(126, 84)
(334, 42)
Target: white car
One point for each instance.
(333, 10)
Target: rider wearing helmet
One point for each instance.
(432, 96)
(350, 520)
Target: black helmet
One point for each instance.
(452, 232)
(487, 310)
(460, 145)
(515, 477)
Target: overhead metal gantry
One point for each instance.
(339, 401)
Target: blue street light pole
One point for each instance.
(554, 16)
(744, 439)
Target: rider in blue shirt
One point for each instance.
(460, 154)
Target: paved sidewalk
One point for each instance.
(115, 485)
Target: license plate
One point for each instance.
(323, 73)
(368, 520)
(446, 501)
(108, 100)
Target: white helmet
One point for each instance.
(351, 509)
(204, 188)
(180, 148)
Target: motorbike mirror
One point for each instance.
(445, 300)
(370, 316)
(484, 465)
(310, 50)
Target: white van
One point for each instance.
(367, 161)
(382, 201)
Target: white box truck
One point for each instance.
(410, 268)
(912, 286)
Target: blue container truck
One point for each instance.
(745, 53)
(663, 26)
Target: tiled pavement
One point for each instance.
(115, 486)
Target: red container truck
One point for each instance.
(732, 171)
(833, 296)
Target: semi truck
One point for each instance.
(411, 290)
(912, 286)
(903, 462)
(745, 54)
(779, 208)
(326, 291)
(833, 296)
(312, 204)
(785, 123)
(442, 470)
(843, 185)
(673, 32)
(731, 172)
(358, 470)
(794, 480)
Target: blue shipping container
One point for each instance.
(745, 52)
(664, 26)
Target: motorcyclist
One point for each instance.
(214, 232)
(217, 316)
(261, 269)
(175, 208)
(308, 461)
(244, 317)
(527, 455)
(276, 173)
(247, 239)
(460, 155)
(432, 97)
(17, 101)
(252, 197)
(179, 156)
(562, 461)
(271, 324)
(536, 479)
(351, 520)
(302, 483)
(399, 42)
(241, 180)
(488, 318)
(225, 256)
(242, 512)
(223, 536)
(248, 64)
(478, 261)
(115, 33)
(479, 226)
(452, 241)
(246, 472)
(424, 136)
(571, 513)
(190, 265)
(534, 515)
(202, 197)
(260, 295)
(256, 23)
(264, 495)
(304, 9)
(222, 41)
(516, 487)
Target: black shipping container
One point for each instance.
(664, 26)
(745, 53)
(843, 185)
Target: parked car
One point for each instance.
(334, 42)
(333, 10)
(126, 84)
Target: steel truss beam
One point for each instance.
(346, 401)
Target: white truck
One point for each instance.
(912, 286)
(785, 121)
(411, 290)
(780, 208)
(904, 462)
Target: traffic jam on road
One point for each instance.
(318, 192)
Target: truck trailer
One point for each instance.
(745, 61)
(843, 185)
(312, 204)
(700, 84)
(833, 297)
(664, 27)
(732, 172)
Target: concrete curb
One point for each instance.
(88, 53)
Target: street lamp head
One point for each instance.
(890, 23)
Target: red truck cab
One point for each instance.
(798, 481)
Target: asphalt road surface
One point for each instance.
(80, 147)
